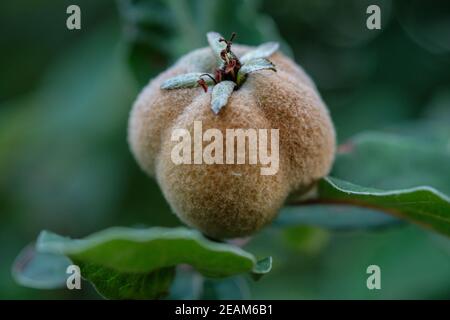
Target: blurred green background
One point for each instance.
(65, 98)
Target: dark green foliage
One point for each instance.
(65, 163)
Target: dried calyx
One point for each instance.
(230, 73)
(229, 68)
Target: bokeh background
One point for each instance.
(65, 98)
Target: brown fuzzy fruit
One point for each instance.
(233, 200)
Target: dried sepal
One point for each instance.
(202, 83)
(187, 80)
(230, 72)
(264, 50)
(220, 95)
(252, 66)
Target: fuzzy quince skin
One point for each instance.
(223, 200)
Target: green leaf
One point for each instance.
(333, 217)
(126, 263)
(264, 50)
(216, 45)
(262, 267)
(380, 160)
(40, 270)
(220, 95)
(187, 80)
(145, 250)
(421, 205)
(112, 284)
(387, 161)
(252, 66)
